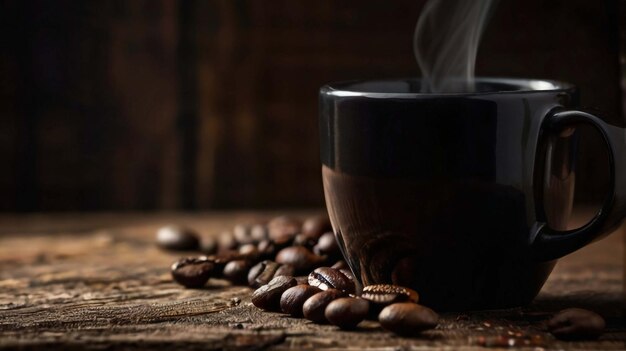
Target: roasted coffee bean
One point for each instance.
(576, 324)
(221, 258)
(236, 271)
(250, 251)
(348, 273)
(301, 258)
(258, 232)
(293, 298)
(302, 279)
(285, 222)
(285, 269)
(267, 297)
(283, 229)
(346, 312)
(304, 240)
(208, 245)
(341, 264)
(192, 272)
(316, 226)
(326, 278)
(270, 247)
(267, 249)
(283, 241)
(174, 237)
(327, 246)
(314, 307)
(407, 318)
(226, 241)
(264, 271)
(242, 233)
(385, 294)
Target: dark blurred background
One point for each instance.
(163, 104)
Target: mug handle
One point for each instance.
(549, 244)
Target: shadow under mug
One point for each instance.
(463, 197)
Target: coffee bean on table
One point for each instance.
(386, 294)
(348, 273)
(250, 251)
(291, 223)
(302, 279)
(267, 297)
(261, 273)
(292, 299)
(285, 269)
(316, 226)
(326, 278)
(346, 312)
(223, 257)
(283, 229)
(174, 237)
(341, 264)
(314, 307)
(258, 232)
(267, 249)
(208, 245)
(576, 324)
(407, 318)
(327, 245)
(226, 241)
(236, 271)
(242, 234)
(301, 258)
(304, 240)
(264, 271)
(283, 241)
(192, 272)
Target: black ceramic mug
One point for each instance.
(462, 197)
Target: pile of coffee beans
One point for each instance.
(297, 268)
(253, 254)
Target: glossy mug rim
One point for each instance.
(351, 88)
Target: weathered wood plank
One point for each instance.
(144, 104)
(109, 286)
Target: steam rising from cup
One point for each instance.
(446, 41)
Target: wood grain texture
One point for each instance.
(99, 282)
(165, 104)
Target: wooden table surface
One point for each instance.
(98, 281)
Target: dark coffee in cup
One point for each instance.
(444, 193)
